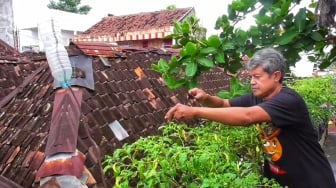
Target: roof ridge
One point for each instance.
(151, 12)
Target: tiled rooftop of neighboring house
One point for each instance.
(14, 69)
(138, 22)
(126, 90)
(147, 22)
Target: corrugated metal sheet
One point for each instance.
(99, 49)
(65, 120)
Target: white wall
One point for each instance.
(27, 20)
(7, 22)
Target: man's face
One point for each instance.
(263, 85)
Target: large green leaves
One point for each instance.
(275, 24)
(317, 36)
(205, 62)
(214, 41)
(237, 88)
(287, 37)
(191, 69)
(300, 19)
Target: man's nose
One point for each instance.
(252, 81)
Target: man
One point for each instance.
(294, 156)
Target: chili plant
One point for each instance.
(212, 155)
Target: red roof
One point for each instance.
(139, 26)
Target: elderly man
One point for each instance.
(294, 156)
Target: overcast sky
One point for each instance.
(27, 12)
(206, 10)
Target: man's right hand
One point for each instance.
(198, 94)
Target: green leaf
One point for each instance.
(228, 46)
(220, 58)
(171, 36)
(177, 27)
(234, 66)
(162, 66)
(285, 7)
(172, 83)
(191, 69)
(277, 12)
(300, 20)
(182, 158)
(298, 45)
(214, 41)
(185, 28)
(243, 35)
(312, 58)
(239, 6)
(206, 62)
(287, 37)
(325, 63)
(173, 62)
(254, 31)
(263, 20)
(193, 83)
(183, 52)
(316, 36)
(208, 50)
(155, 67)
(184, 41)
(191, 49)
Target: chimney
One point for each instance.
(7, 22)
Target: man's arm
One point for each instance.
(240, 116)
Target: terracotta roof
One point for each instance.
(15, 67)
(7, 51)
(138, 22)
(127, 90)
(147, 25)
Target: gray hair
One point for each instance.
(270, 60)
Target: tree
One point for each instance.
(276, 25)
(69, 6)
(326, 10)
(171, 7)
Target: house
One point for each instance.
(40, 123)
(142, 30)
(71, 24)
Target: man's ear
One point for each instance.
(277, 76)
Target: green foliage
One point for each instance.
(69, 6)
(237, 89)
(209, 156)
(171, 7)
(319, 94)
(276, 25)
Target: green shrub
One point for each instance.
(319, 94)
